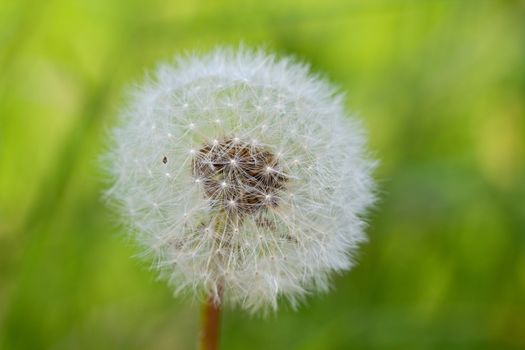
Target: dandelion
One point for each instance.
(243, 177)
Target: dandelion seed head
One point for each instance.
(265, 199)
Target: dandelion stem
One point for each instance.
(211, 314)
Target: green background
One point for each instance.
(440, 86)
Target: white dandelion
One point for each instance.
(243, 177)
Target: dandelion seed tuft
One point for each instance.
(261, 187)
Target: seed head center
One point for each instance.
(238, 176)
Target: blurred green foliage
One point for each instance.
(441, 88)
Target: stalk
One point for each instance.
(211, 314)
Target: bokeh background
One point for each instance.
(440, 86)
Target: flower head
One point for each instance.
(243, 177)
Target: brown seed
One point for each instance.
(239, 177)
(165, 160)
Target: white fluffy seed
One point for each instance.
(315, 229)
